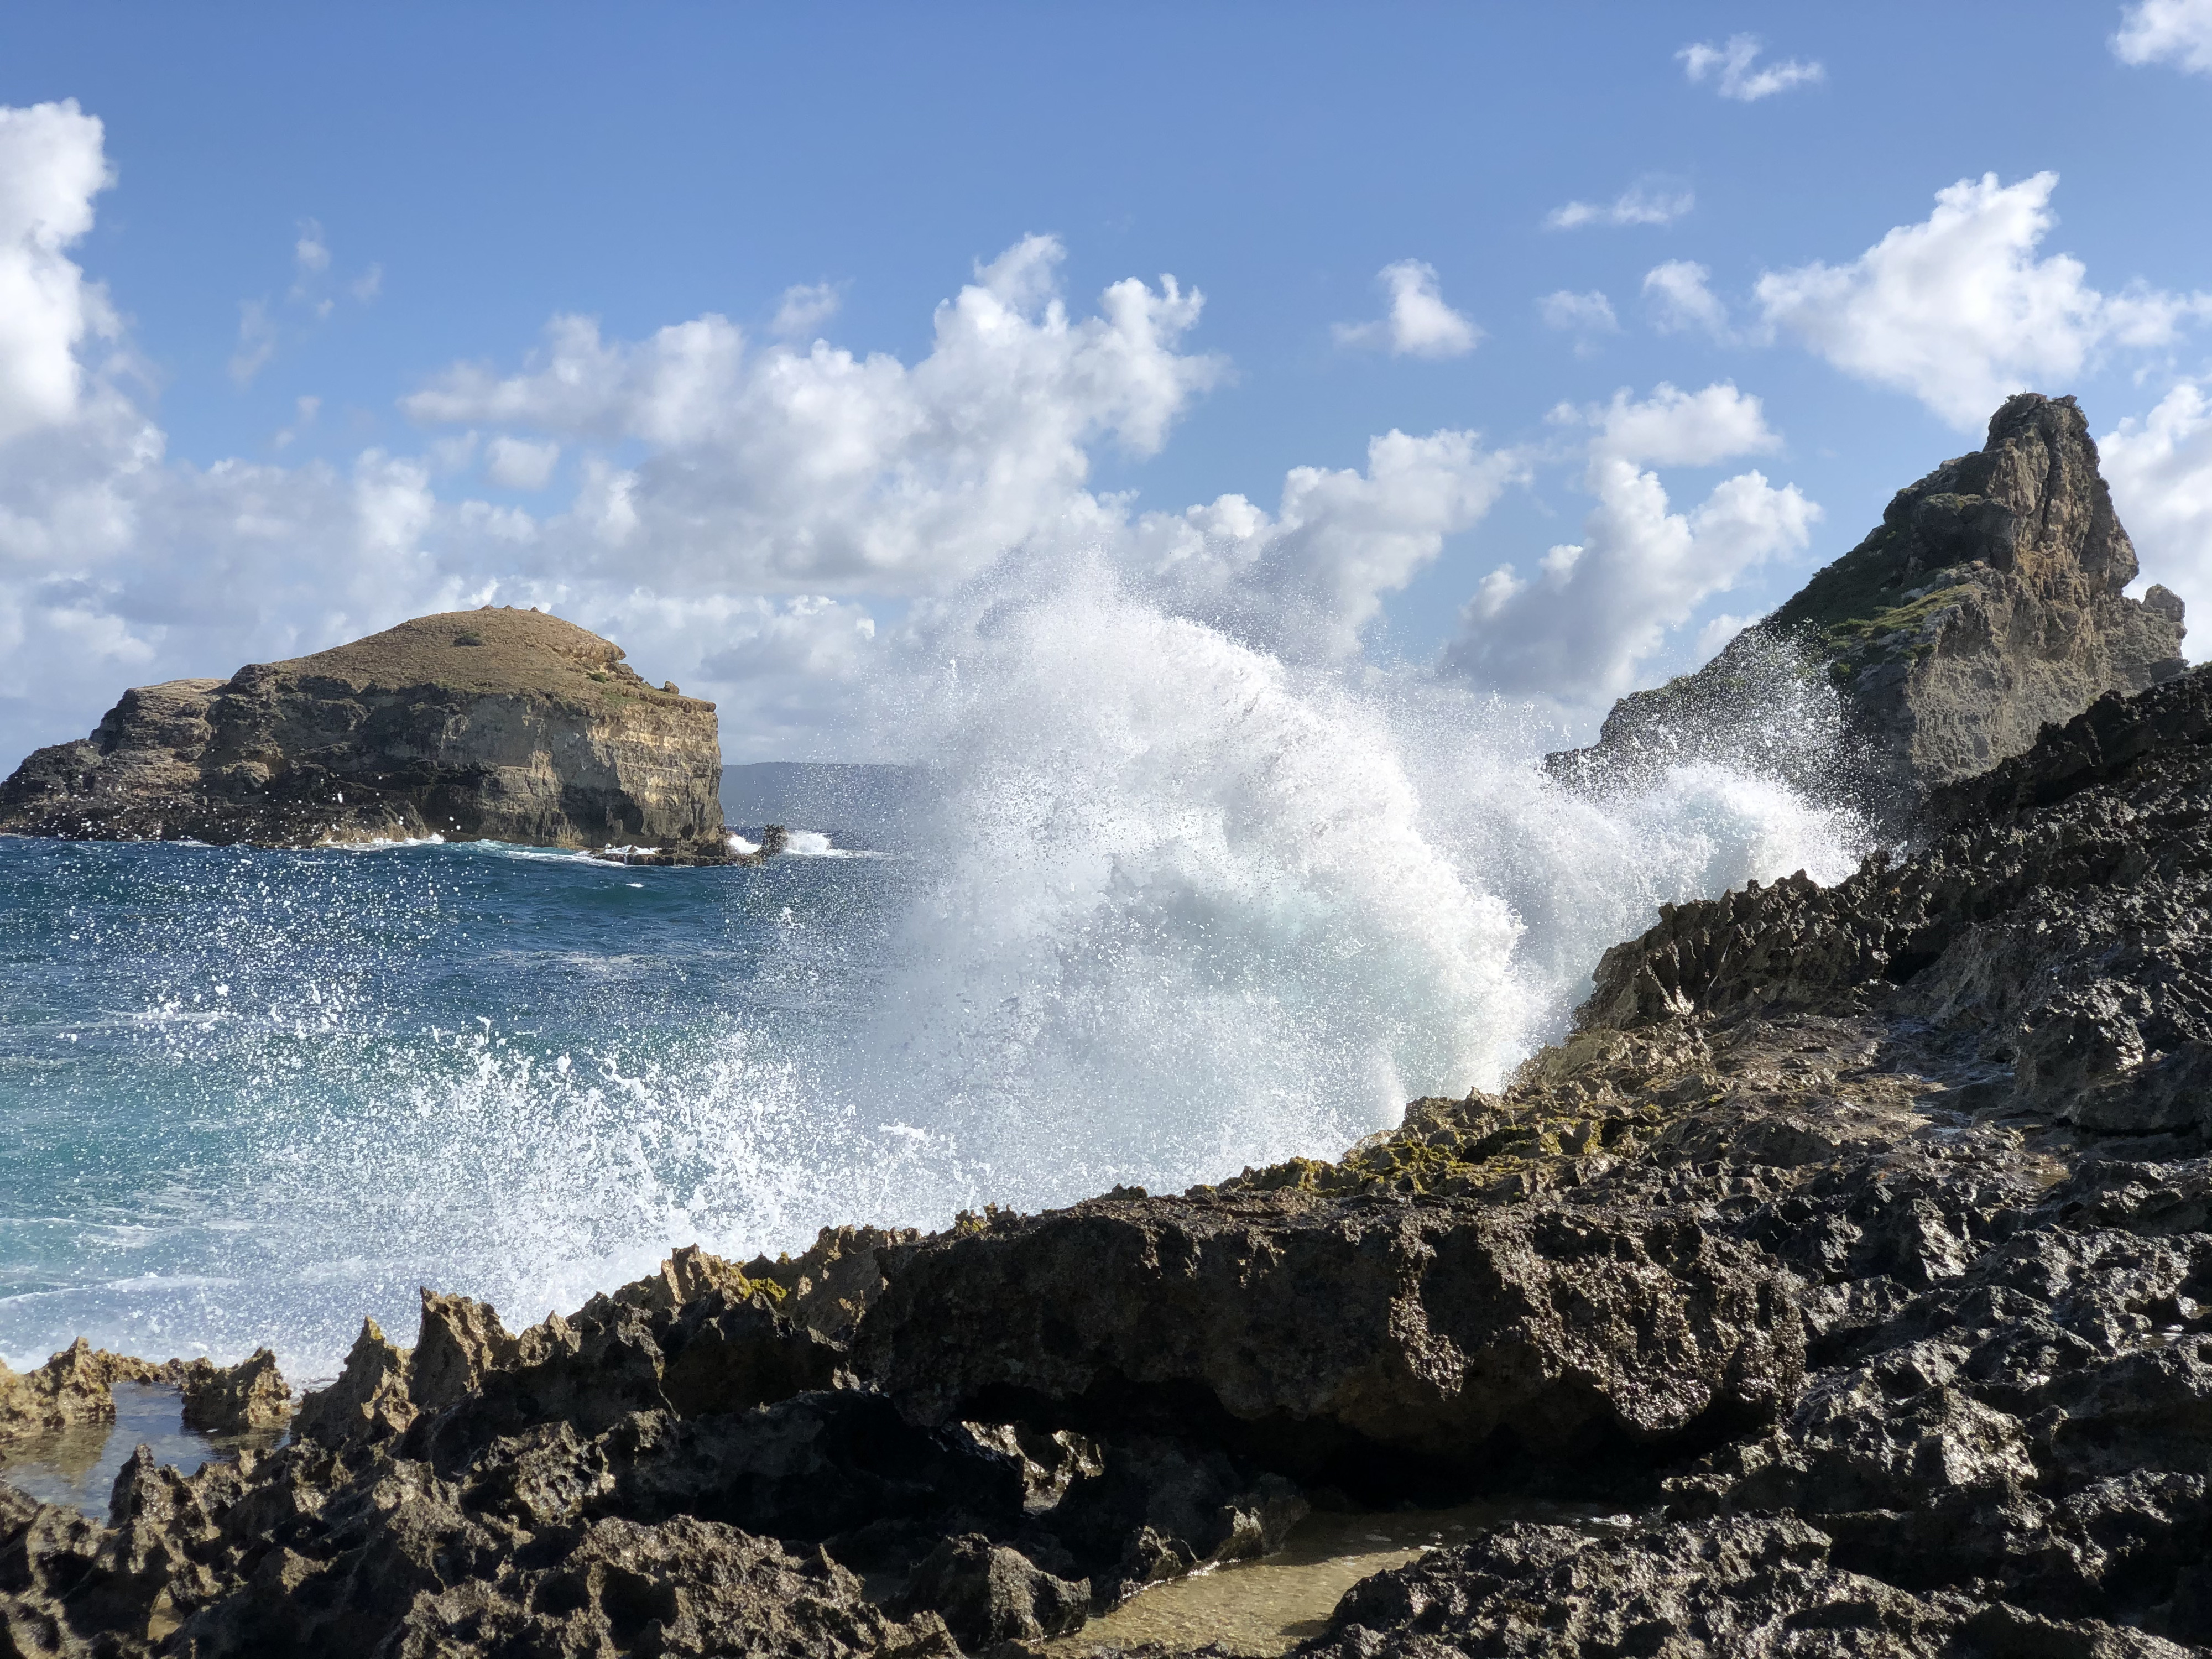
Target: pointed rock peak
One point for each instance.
(1988, 603)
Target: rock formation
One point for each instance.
(1987, 603)
(505, 725)
(1853, 1254)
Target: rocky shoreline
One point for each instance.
(1854, 1249)
(1859, 1238)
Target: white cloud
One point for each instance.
(1673, 428)
(1581, 627)
(2159, 467)
(804, 308)
(2177, 31)
(517, 464)
(1682, 300)
(819, 471)
(1639, 205)
(740, 470)
(1958, 310)
(365, 286)
(1420, 323)
(311, 254)
(1589, 312)
(1731, 68)
(1308, 579)
(1580, 314)
(52, 165)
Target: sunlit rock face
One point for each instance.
(1988, 603)
(504, 724)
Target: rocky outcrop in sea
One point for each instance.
(506, 724)
(1987, 602)
(1849, 1264)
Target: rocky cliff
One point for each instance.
(1852, 1257)
(506, 724)
(1987, 602)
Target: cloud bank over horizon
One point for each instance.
(776, 520)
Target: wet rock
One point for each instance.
(987, 1593)
(370, 1400)
(231, 1400)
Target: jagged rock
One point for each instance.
(1449, 1333)
(987, 1593)
(1728, 1589)
(504, 724)
(682, 1589)
(231, 1400)
(369, 1399)
(1987, 603)
(2058, 922)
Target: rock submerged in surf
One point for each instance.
(500, 725)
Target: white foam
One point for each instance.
(1184, 907)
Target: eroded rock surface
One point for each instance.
(1988, 603)
(503, 725)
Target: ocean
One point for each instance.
(249, 1096)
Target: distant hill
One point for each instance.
(502, 725)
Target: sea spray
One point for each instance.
(1171, 905)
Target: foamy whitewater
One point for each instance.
(1169, 905)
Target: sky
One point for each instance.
(1533, 349)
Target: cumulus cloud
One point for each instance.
(1639, 205)
(1959, 311)
(1681, 299)
(820, 470)
(1582, 625)
(2159, 467)
(1308, 580)
(1673, 428)
(2177, 31)
(517, 464)
(1735, 71)
(1420, 323)
(51, 165)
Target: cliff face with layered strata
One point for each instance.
(502, 725)
(1988, 603)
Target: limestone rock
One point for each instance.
(505, 725)
(231, 1400)
(1987, 603)
(987, 1593)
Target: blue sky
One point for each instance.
(351, 206)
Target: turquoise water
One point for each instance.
(247, 1097)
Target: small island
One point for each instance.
(492, 724)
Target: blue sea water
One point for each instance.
(249, 1096)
